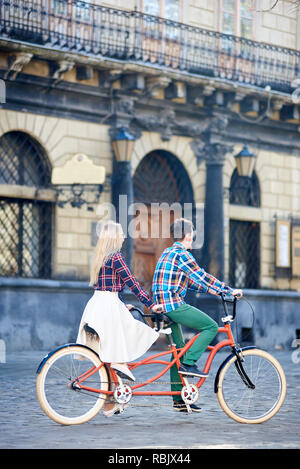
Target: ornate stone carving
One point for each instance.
(16, 62)
(57, 69)
(122, 115)
(164, 123)
(125, 105)
(212, 153)
(167, 125)
(205, 148)
(218, 123)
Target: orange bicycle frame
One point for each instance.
(156, 359)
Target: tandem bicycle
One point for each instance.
(73, 383)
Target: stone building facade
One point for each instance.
(193, 82)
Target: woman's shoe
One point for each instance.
(123, 371)
(116, 409)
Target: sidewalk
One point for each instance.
(24, 425)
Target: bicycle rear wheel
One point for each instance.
(58, 393)
(246, 405)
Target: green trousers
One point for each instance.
(192, 317)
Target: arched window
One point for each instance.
(25, 221)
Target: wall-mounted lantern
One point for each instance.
(245, 162)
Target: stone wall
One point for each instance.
(43, 314)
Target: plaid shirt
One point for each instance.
(115, 275)
(176, 271)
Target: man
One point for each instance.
(175, 272)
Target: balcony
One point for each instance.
(101, 32)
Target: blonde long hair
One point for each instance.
(110, 240)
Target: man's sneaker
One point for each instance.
(191, 370)
(180, 406)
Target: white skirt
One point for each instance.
(122, 338)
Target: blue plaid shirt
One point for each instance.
(176, 271)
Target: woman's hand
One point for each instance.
(157, 309)
(237, 293)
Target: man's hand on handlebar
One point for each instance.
(237, 293)
(157, 309)
(158, 317)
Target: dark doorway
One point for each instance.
(159, 178)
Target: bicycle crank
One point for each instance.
(123, 393)
(190, 394)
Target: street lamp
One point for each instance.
(123, 144)
(122, 185)
(245, 161)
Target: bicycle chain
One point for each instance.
(138, 405)
(156, 404)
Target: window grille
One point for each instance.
(244, 255)
(25, 225)
(161, 177)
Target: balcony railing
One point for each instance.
(139, 38)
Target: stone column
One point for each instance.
(122, 184)
(122, 198)
(213, 249)
(212, 258)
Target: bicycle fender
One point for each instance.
(216, 385)
(59, 348)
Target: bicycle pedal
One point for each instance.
(189, 409)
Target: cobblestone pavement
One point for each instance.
(24, 425)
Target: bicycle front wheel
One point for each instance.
(257, 405)
(59, 392)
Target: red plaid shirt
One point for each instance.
(115, 275)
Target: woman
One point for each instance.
(121, 338)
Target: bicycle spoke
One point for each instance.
(63, 373)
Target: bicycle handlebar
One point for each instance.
(226, 299)
(159, 318)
